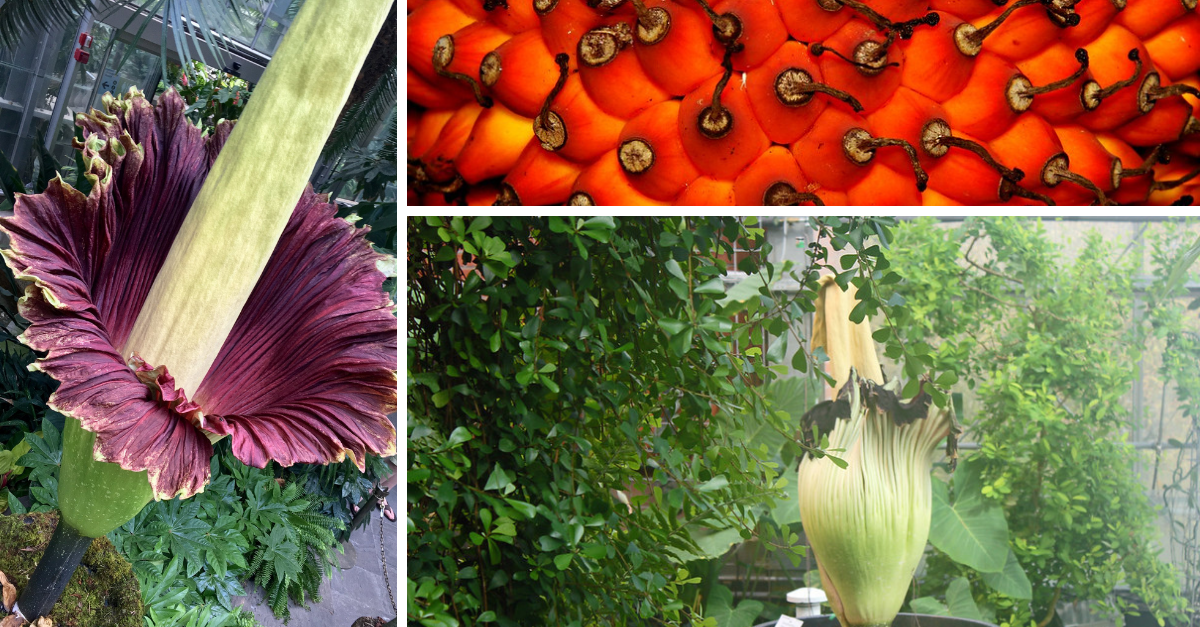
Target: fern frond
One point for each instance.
(362, 117)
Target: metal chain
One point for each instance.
(383, 557)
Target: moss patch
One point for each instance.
(103, 592)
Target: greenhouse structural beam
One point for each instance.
(252, 62)
(64, 89)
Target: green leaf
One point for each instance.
(457, 437)
(787, 511)
(671, 326)
(441, 398)
(711, 286)
(720, 607)
(499, 479)
(523, 508)
(562, 561)
(478, 224)
(15, 506)
(1011, 581)
(716, 483)
(929, 605)
(959, 600)
(972, 530)
(673, 268)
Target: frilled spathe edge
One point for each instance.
(308, 373)
(91, 260)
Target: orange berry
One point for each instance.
(605, 60)
(720, 141)
(1025, 33)
(904, 117)
(987, 104)
(495, 143)
(761, 31)
(821, 154)
(1088, 159)
(469, 45)
(539, 177)
(520, 73)
(706, 192)
(564, 23)
(581, 131)
(884, 186)
(1053, 65)
(778, 91)
(772, 179)
(425, 26)
(813, 20)
(443, 96)
(439, 159)
(1146, 19)
(1031, 146)
(870, 75)
(1176, 48)
(428, 126)
(650, 150)
(1164, 123)
(963, 174)
(1132, 178)
(688, 37)
(604, 184)
(1094, 18)
(517, 17)
(964, 9)
(934, 66)
(1112, 99)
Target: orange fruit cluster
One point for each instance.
(780, 102)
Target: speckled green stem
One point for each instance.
(96, 497)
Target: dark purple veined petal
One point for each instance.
(307, 374)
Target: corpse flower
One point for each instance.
(308, 372)
(202, 290)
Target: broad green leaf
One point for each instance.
(716, 483)
(499, 479)
(959, 600)
(711, 286)
(1011, 581)
(745, 289)
(562, 561)
(929, 605)
(972, 530)
(720, 607)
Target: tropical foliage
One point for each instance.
(1045, 346)
(581, 399)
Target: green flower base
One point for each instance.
(102, 592)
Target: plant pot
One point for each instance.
(102, 592)
(902, 620)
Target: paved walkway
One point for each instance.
(356, 590)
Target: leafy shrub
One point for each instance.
(578, 392)
(1047, 346)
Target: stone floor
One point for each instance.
(355, 590)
